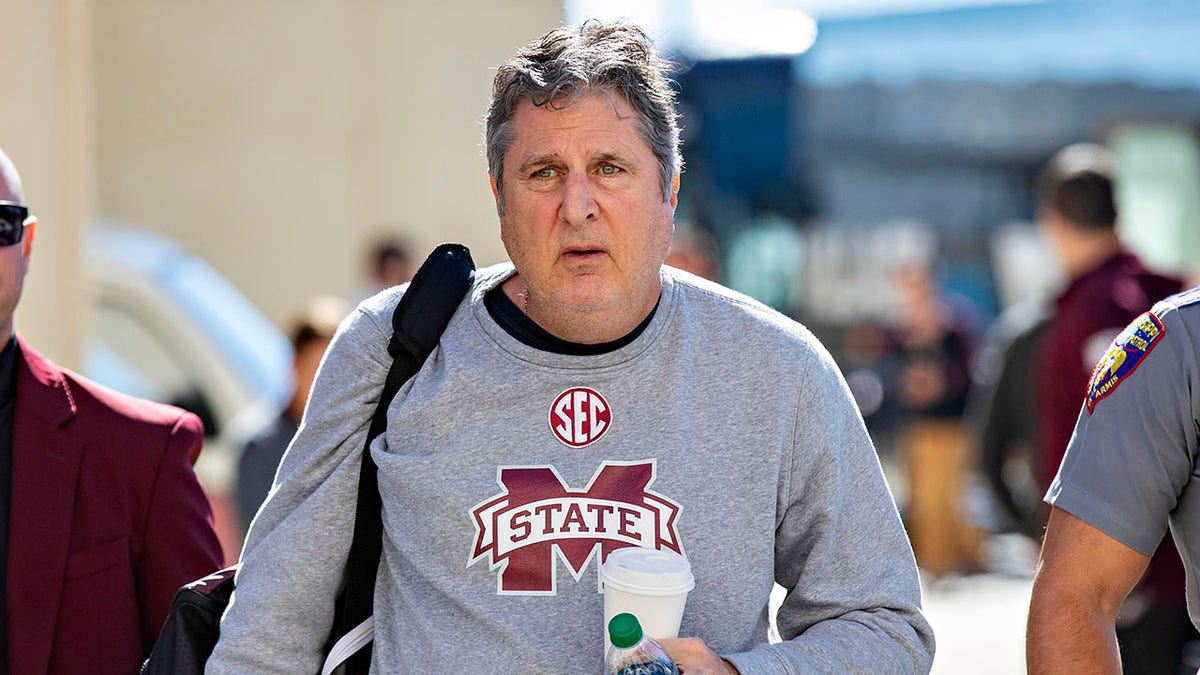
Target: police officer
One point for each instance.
(1128, 474)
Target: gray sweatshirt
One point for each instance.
(724, 431)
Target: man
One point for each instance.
(314, 328)
(582, 399)
(1002, 415)
(1108, 286)
(934, 344)
(102, 518)
(1128, 473)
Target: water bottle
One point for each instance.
(633, 653)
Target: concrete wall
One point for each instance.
(46, 126)
(274, 137)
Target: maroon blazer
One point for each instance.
(107, 522)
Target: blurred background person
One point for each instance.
(313, 328)
(389, 263)
(1002, 417)
(935, 344)
(1107, 287)
(694, 249)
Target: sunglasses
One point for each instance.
(12, 222)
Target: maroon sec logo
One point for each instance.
(579, 417)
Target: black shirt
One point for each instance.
(8, 400)
(517, 324)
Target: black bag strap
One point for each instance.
(420, 319)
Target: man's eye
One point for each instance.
(545, 172)
(609, 169)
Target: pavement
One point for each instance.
(979, 619)
(979, 623)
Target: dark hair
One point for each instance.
(318, 320)
(386, 249)
(565, 63)
(1078, 185)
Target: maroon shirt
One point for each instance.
(1092, 310)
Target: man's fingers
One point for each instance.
(693, 655)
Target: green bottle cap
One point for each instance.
(624, 630)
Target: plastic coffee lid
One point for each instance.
(647, 571)
(624, 630)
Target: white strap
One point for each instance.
(349, 644)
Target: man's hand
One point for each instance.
(695, 658)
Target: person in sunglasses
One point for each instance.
(101, 516)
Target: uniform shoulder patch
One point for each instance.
(1124, 355)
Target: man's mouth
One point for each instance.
(582, 252)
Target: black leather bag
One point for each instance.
(193, 624)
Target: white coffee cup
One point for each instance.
(650, 584)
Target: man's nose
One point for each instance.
(578, 204)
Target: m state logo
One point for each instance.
(579, 417)
(537, 517)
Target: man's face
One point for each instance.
(14, 263)
(585, 221)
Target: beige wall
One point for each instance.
(46, 127)
(274, 137)
(270, 137)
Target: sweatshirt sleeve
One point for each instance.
(853, 601)
(296, 549)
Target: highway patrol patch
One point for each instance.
(1123, 357)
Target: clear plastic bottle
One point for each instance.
(633, 653)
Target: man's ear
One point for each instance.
(675, 191)
(27, 240)
(495, 193)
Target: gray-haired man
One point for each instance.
(585, 398)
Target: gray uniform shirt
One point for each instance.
(1131, 466)
(723, 431)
